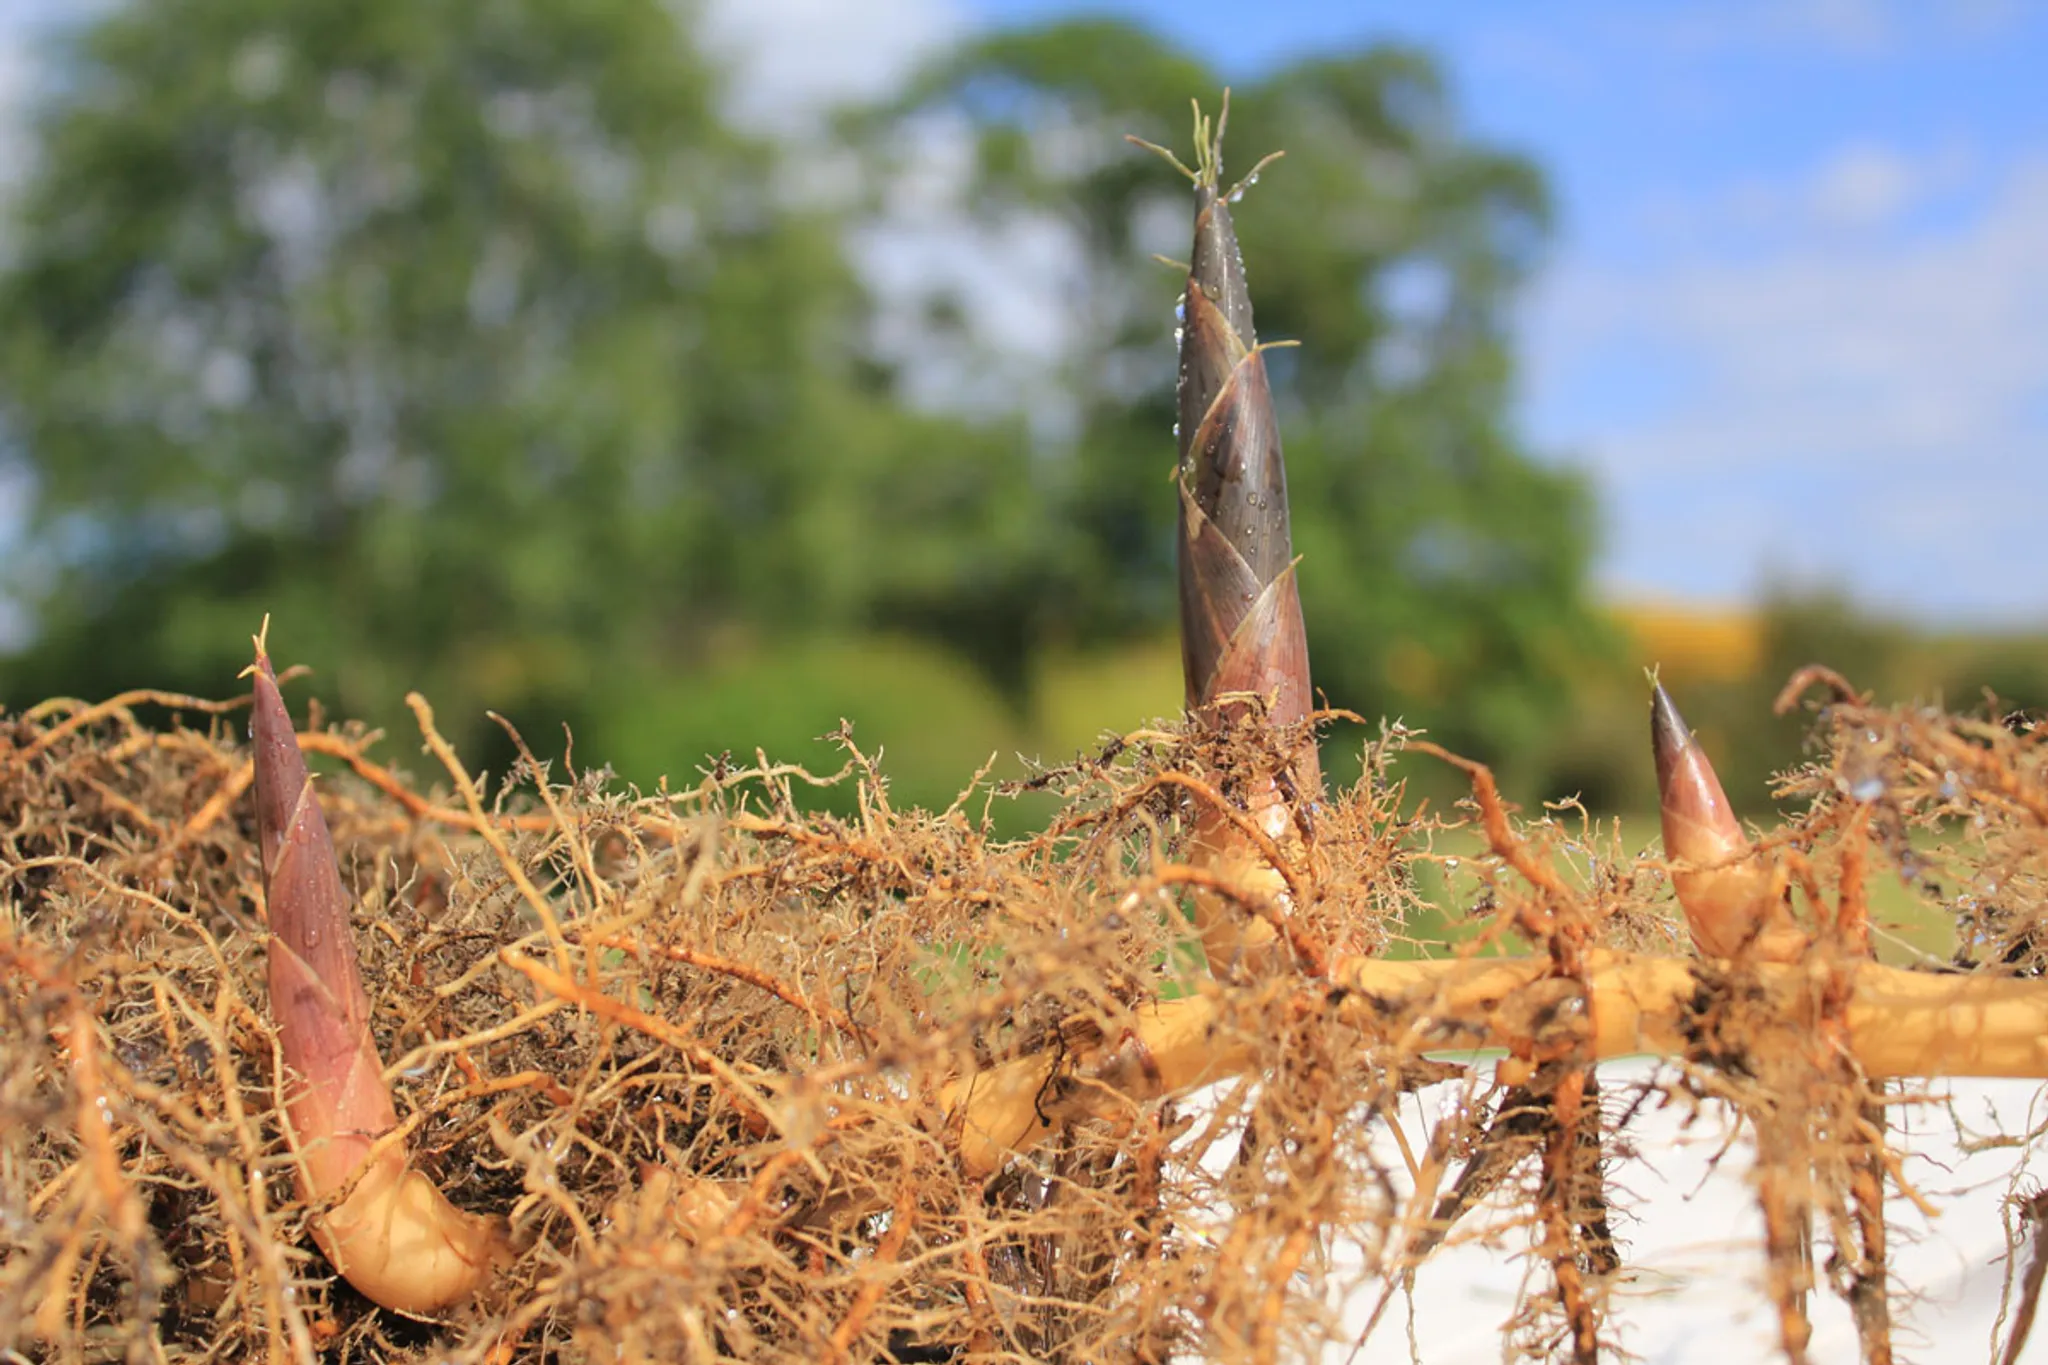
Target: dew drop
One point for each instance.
(1870, 736)
(1450, 864)
(1176, 336)
(1176, 431)
(1180, 309)
(1869, 789)
(1949, 789)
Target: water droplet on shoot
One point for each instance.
(1180, 309)
(1869, 789)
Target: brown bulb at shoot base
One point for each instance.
(1734, 902)
(392, 1235)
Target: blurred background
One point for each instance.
(694, 376)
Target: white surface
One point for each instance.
(1693, 1288)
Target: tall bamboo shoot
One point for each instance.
(1240, 611)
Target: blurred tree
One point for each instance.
(465, 337)
(469, 339)
(1445, 570)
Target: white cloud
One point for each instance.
(797, 58)
(1850, 26)
(1864, 187)
(1847, 28)
(1872, 409)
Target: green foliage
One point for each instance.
(468, 339)
(926, 716)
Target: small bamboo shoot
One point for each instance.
(392, 1233)
(1734, 902)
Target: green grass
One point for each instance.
(1908, 926)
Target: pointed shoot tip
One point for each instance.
(1669, 734)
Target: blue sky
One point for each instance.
(1794, 318)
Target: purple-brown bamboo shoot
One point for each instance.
(392, 1233)
(1240, 611)
(1733, 899)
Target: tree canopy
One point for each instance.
(473, 341)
